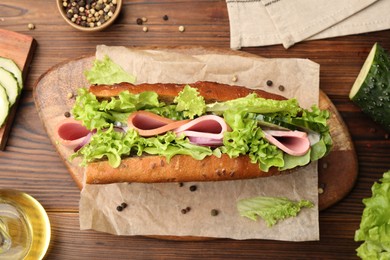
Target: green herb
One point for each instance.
(271, 209)
(374, 227)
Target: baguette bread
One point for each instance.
(181, 168)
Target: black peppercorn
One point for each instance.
(193, 188)
(281, 88)
(183, 211)
(165, 17)
(214, 212)
(124, 205)
(139, 21)
(181, 184)
(269, 83)
(119, 208)
(67, 114)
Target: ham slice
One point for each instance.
(150, 124)
(71, 133)
(295, 143)
(206, 130)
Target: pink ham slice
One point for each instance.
(206, 130)
(295, 143)
(71, 133)
(150, 124)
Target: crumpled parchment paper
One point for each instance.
(155, 209)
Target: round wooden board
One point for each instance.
(337, 172)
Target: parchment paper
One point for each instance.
(155, 209)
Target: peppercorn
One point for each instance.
(269, 83)
(94, 12)
(119, 208)
(67, 114)
(183, 211)
(124, 205)
(214, 212)
(193, 188)
(165, 17)
(281, 88)
(139, 21)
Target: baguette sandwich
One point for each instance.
(203, 131)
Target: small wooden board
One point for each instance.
(20, 49)
(337, 172)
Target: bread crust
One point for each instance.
(181, 168)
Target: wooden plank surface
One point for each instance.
(19, 48)
(30, 162)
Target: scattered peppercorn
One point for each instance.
(139, 21)
(89, 13)
(31, 26)
(269, 83)
(165, 17)
(193, 188)
(214, 212)
(67, 114)
(124, 205)
(181, 184)
(183, 211)
(188, 209)
(281, 88)
(325, 165)
(119, 208)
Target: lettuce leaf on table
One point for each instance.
(374, 227)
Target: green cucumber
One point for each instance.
(4, 105)
(11, 66)
(371, 90)
(10, 85)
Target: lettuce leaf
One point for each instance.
(98, 115)
(107, 72)
(114, 145)
(271, 209)
(190, 102)
(374, 227)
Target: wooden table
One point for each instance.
(31, 164)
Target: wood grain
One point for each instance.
(30, 162)
(19, 48)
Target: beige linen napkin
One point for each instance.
(269, 22)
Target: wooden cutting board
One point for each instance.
(337, 172)
(20, 49)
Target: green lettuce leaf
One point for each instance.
(271, 209)
(98, 115)
(107, 72)
(374, 227)
(190, 102)
(114, 145)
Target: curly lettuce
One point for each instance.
(374, 229)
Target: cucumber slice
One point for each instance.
(11, 66)
(10, 85)
(371, 90)
(4, 105)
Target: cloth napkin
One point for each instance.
(269, 22)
